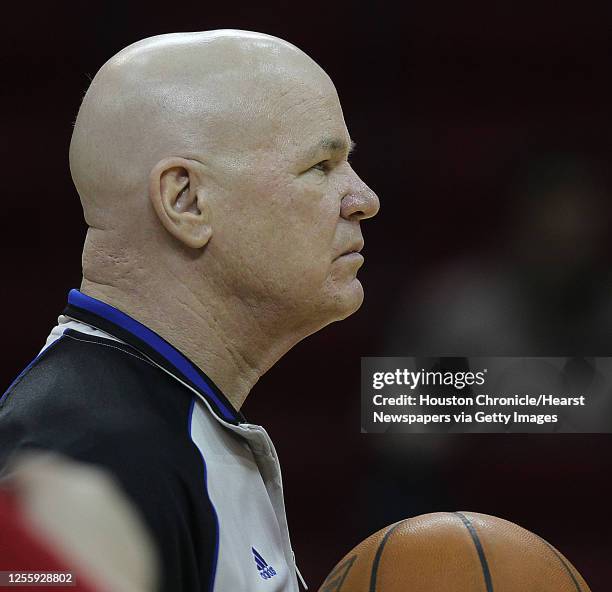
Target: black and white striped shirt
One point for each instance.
(106, 389)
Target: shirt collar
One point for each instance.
(103, 316)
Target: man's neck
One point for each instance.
(229, 346)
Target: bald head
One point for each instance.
(212, 94)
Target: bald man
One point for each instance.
(223, 227)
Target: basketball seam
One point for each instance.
(564, 564)
(480, 550)
(377, 557)
(332, 575)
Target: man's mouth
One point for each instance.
(353, 251)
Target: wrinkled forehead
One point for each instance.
(301, 108)
(272, 116)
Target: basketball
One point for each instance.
(454, 552)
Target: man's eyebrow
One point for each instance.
(332, 145)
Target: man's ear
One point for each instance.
(180, 200)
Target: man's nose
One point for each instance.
(360, 203)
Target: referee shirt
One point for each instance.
(106, 389)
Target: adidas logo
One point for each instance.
(265, 571)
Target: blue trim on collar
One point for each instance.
(153, 340)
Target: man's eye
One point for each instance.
(322, 166)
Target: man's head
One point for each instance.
(218, 160)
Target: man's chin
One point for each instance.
(349, 299)
(339, 305)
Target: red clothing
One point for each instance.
(22, 550)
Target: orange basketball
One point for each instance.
(454, 552)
